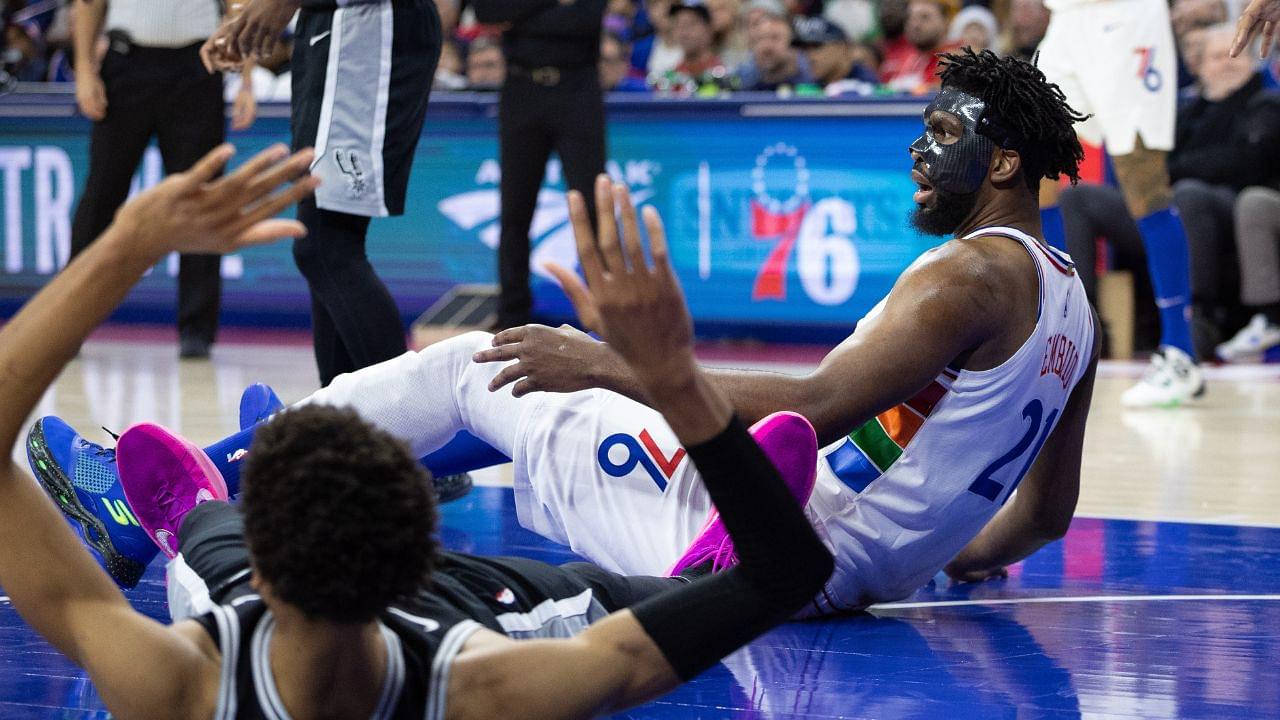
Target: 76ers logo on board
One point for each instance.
(620, 453)
(772, 217)
(818, 235)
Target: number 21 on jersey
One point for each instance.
(1034, 438)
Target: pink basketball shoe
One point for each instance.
(163, 477)
(788, 440)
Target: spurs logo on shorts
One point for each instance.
(348, 162)
(620, 453)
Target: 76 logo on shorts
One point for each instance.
(628, 451)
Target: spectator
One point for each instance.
(726, 28)
(486, 66)
(913, 67)
(1028, 21)
(974, 27)
(1257, 216)
(1098, 212)
(757, 10)
(450, 70)
(615, 66)
(774, 63)
(1226, 140)
(692, 27)
(832, 57)
(857, 18)
(620, 17)
(1187, 15)
(665, 53)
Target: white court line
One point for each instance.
(1221, 520)
(1075, 599)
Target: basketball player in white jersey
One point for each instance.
(1116, 61)
(970, 380)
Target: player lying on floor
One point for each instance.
(356, 613)
(972, 378)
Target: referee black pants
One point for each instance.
(164, 94)
(533, 120)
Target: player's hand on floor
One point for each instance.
(635, 305)
(198, 212)
(976, 576)
(1259, 18)
(562, 359)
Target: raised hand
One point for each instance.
(198, 212)
(1260, 17)
(635, 305)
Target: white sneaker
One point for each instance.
(1172, 379)
(1251, 342)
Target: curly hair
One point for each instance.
(338, 515)
(1029, 110)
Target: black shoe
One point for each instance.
(451, 487)
(190, 348)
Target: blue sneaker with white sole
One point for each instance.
(257, 403)
(81, 478)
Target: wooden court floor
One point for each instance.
(1162, 602)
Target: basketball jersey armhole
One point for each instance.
(228, 623)
(438, 683)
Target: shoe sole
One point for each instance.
(160, 449)
(451, 487)
(62, 491)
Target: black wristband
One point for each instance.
(782, 563)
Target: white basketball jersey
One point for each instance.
(903, 494)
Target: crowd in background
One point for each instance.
(1226, 165)
(693, 47)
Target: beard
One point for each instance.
(944, 212)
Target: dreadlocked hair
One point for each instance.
(1032, 111)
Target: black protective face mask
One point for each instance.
(961, 167)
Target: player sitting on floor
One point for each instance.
(356, 615)
(974, 374)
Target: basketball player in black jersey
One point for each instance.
(342, 626)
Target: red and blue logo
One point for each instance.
(643, 452)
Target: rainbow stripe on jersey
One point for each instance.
(870, 450)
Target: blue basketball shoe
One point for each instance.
(82, 480)
(257, 403)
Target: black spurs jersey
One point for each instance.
(514, 596)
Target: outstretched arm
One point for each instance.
(942, 306)
(1041, 511)
(639, 653)
(140, 668)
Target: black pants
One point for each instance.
(211, 540)
(164, 94)
(1090, 212)
(533, 120)
(354, 320)
(1208, 216)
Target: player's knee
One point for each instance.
(1258, 201)
(1189, 194)
(456, 351)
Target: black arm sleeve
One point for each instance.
(782, 563)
